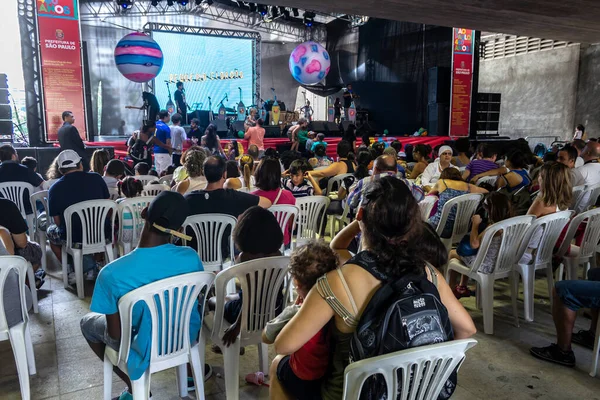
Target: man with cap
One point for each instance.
(154, 259)
(432, 173)
(73, 187)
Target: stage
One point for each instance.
(121, 148)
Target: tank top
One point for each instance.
(525, 180)
(197, 183)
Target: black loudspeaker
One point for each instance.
(438, 115)
(317, 126)
(221, 125)
(438, 85)
(333, 129)
(202, 117)
(272, 131)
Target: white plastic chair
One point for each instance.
(513, 233)
(584, 254)
(166, 180)
(260, 280)
(15, 191)
(423, 370)
(175, 298)
(286, 216)
(154, 189)
(577, 193)
(426, 205)
(19, 335)
(551, 227)
(594, 370)
(588, 197)
(42, 197)
(209, 230)
(337, 182)
(92, 214)
(310, 218)
(114, 193)
(133, 206)
(146, 179)
(466, 205)
(488, 179)
(338, 222)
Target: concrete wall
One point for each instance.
(588, 90)
(539, 91)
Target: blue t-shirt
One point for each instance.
(141, 267)
(73, 188)
(315, 144)
(163, 133)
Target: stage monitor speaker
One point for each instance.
(221, 125)
(438, 115)
(272, 131)
(333, 129)
(201, 115)
(317, 126)
(438, 85)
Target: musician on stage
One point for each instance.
(349, 96)
(250, 119)
(182, 106)
(307, 111)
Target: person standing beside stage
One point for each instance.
(348, 97)
(182, 106)
(162, 142)
(256, 135)
(69, 139)
(178, 138)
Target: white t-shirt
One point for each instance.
(579, 162)
(590, 173)
(576, 177)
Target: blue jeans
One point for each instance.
(578, 294)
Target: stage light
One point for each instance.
(125, 4)
(295, 11)
(182, 3)
(309, 18)
(262, 10)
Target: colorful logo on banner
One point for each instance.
(462, 81)
(60, 55)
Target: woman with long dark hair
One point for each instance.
(211, 140)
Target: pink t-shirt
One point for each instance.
(286, 198)
(255, 135)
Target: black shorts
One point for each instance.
(296, 387)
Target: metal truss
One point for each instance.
(198, 30)
(31, 71)
(284, 30)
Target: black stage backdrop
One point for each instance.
(387, 63)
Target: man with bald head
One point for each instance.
(590, 170)
(384, 165)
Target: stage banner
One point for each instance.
(60, 55)
(462, 81)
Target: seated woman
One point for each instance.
(448, 187)
(513, 176)
(462, 146)
(433, 171)
(194, 166)
(344, 165)
(211, 141)
(180, 173)
(388, 216)
(246, 180)
(420, 154)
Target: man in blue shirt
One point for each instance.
(12, 171)
(162, 142)
(154, 259)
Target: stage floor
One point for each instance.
(121, 148)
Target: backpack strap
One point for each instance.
(327, 294)
(347, 289)
(434, 279)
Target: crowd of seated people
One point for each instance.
(333, 285)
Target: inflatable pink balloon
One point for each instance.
(309, 63)
(138, 57)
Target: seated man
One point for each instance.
(75, 186)
(154, 259)
(485, 161)
(12, 171)
(570, 296)
(114, 172)
(568, 156)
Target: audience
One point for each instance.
(141, 149)
(555, 190)
(579, 145)
(590, 172)
(485, 161)
(232, 169)
(142, 169)
(246, 180)
(300, 182)
(344, 165)
(567, 156)
(114, 172)
(99, 160)
(320, 142)
(144, 265)
(178, 138)
(432, 173)
(211, 141)
(513, 176)
(420, 154)
(253, 152)
(350, 136)
(256, 135)
(234, 150)
(194, 165)
(309, 142)
(52, 175)
(162, 142)
(128, 188)
(12, 171)
(194, 133)
(462, 148)
(321, 157)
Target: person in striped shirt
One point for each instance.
(300, 183)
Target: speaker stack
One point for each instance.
(6, 125)
(438, 105)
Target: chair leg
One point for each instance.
(586, 269)
(110, 252)
(78, 265)
(571, 267)
(29, 349)
(108, 370)
(32, 288)
(17, 341)
(65, 267)
(263, 358)
(559, 272)
(231, 359)
(487, 300)
(594, 370)
(181, 376)
(550, 280)
(528, 291)
(331, 223)
(42, 243)
(141, 387)
(514, 294)
(197, 361)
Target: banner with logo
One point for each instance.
(60, 55)
(462, 81)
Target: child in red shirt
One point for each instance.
(308, 365)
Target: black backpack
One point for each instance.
(402, 314)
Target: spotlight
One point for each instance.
(309, 18)
(182, 3)
(125, 4)
(262, 10)
(295, 11)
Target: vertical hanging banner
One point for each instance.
(462, 81)
(60, 56)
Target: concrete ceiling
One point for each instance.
(570, 20)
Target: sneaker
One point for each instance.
(584, 338)
(207, 374)
(40, 273)
(554, 354)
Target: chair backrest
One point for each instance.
(114, 193)
(513, 234)
(92, 214)
(466, 205)
(260, 281)
(174, 298)
(418, 373)
(426, 205)
(577, 192)
(284, 214)
(154, 189)
(551, 227)
(591, 234)
(209, 230)
(134, 207)
(19, 265)
(15, 191)
(42, 197)
(146, 179)
(166, 180)
(488, 179)
(310, 217)
(588, 198)
(336, 182)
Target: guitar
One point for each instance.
(241, 109)
(275, 109)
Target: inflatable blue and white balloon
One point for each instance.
(138, 57)
(309, 63)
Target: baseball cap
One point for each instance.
(167, 212)
(68, 159)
